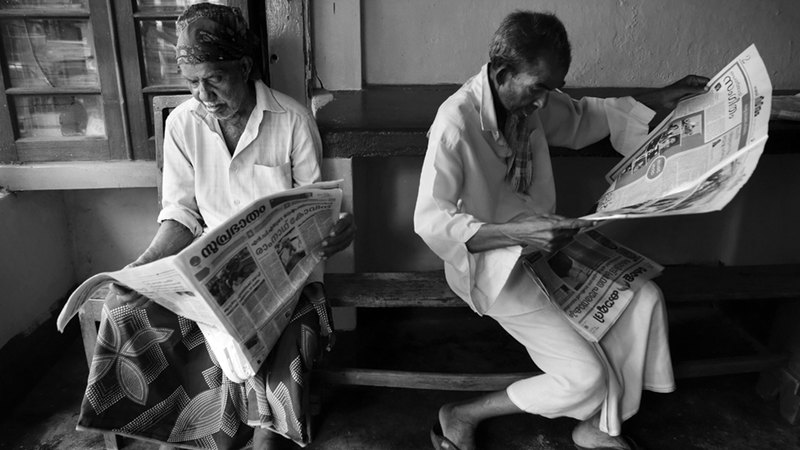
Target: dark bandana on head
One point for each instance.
(209, 32)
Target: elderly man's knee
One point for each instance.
(587, 381)
(649, 292)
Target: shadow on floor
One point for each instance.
(715, 413)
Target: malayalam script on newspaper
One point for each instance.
(243, 277)
(701, 155)
(592, 280)
(695, 161)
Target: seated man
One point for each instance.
(159, 376)
(487, 195)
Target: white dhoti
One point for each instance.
(582, 378)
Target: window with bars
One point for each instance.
(78, 77)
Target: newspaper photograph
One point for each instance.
(701, 154)
(243, 277)
(592, 280)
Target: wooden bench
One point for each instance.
(681, 284)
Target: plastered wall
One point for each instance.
(616, 42)
(35, 260)
(629, 43)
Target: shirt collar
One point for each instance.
(265, 101)
(488, 114)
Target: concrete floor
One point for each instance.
(705, 413)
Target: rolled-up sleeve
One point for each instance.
(178, 200)
(575, 124)
(628, 121)
(306, 152)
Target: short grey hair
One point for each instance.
(525, 36)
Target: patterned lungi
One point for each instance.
(153, 377)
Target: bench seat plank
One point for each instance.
(679, 283)
(496, 381)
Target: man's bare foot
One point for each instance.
(456, 428)
(587, 434)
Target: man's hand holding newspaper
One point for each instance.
(244, 277)
(701, 154)
(695, 161)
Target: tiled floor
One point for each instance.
(712, 413)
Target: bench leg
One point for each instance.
(781, 385)
(110, 440)
(88, 324)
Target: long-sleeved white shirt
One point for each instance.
(462, 185)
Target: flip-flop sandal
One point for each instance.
(631, 443)
(439, 441)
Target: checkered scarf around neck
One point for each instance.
(520, 164)
(209, 32)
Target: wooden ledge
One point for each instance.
(382, 121)
(78, 175)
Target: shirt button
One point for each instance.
(236, 202)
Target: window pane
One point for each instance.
(44, 116)
(49, 53)
(158, 41)
(44, 4)
(177, 6)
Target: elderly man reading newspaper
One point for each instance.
(155, 375)
(487, 193)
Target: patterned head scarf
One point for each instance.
(209, 32)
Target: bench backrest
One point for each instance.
(162, 105)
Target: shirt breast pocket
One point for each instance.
(269, 180)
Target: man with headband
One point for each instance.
(235, 141)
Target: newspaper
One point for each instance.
(243, 277)
(701, 154)
(592, 280)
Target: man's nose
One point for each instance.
(203, 92)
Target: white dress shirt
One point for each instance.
(204, 185)
(463, 185)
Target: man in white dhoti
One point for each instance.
(487, 195)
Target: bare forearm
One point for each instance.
(539, 232)
(171, 238)
(664, 100)
(491, 236)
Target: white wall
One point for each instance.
(110, 227)
(52, 240)
(35, 260)
(627, 43)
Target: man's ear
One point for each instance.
(502, 74)
(247, 67)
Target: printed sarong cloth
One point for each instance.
(153, 377)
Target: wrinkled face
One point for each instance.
(527, 90)
(220, 86)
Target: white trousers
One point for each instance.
(582, 378)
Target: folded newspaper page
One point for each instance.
(243, 277)
(592, 280)
(702, 154)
